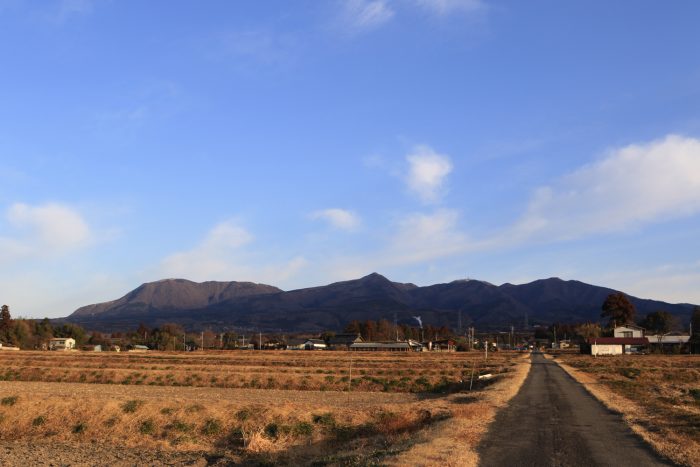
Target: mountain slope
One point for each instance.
(174, 295)
(221, 305)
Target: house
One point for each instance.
(139, 349)
(7, 347)
(380, 347)
(628, 330)
(296, 344)
(315, 344)
(344, 341)
(405, 346)
(441, 345)
(613, 345)
(273, 344)
(62, 343)
(668, 342)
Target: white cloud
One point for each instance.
(338, 218)
(423, 237)
(445, 7)
(362, 15)
(631, 186)
(214, 257)
(44, 231)
(221, 256)
(427, 173)
(414, 239)
(674, 283)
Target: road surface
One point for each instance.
(553, 421)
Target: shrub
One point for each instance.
(325, 419)
(194, 408)
(243, 415)
(79, 428)
(147, 427)
(9, 400)
(302, 429)
(182, 427)
(131, 406)
(271, 430)
(695, 393)
(166, 411)
(38, 421)
(211, 427)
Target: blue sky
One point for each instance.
(300, 143)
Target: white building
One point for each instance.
(62, 343)
(628, 330)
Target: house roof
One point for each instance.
(668, 339)
(629, 326)
(345, 339)
(316, 341)
(619, 341)
(380, 345)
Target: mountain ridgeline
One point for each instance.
(246, 305)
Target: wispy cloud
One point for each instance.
(221, 256)
(427, 173)
(632, 186)
(338, 218)
(422, 237)
(46, 230)
(446, 7)
(364, 15)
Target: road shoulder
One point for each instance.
(454, 442)
(634, 416)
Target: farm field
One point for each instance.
(659, 396)
(240, 407)
(299, 370)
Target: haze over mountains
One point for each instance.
(246, 305)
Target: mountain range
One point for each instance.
(247, 305)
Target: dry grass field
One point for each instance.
(320, 408)
(659, 396)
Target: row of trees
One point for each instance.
(619, 310)
(383, 330)
(35, 334)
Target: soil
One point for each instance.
(24, 454)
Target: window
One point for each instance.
(626, 333)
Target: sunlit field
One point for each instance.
(281, 407)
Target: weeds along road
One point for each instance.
(553, 421)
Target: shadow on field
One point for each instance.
(386, 435)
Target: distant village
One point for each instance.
(659, 336)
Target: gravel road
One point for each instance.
(553, 421)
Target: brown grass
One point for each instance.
(658, 396)
(333, 371)
(454, 443)
(372, 419)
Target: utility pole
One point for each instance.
(202, 341)
(184, 344)
(396, 327)
(259, 340)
